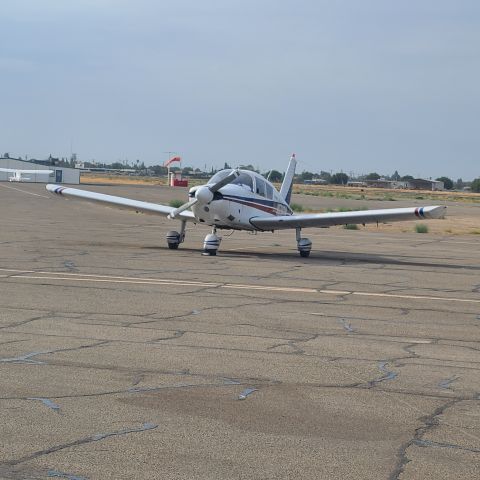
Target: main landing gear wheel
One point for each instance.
(304, 245)
(174, 239)
(211, 243)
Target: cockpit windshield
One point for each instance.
(246, 180)
(219, 176)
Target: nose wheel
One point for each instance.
(304, 245)
(211, 243)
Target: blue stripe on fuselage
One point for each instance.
(262, 201)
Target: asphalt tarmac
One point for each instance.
(122, 359)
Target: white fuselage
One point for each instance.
(236, 203)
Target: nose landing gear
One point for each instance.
(211, 243)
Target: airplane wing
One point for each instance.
(26, 172)
(343, 218)
(119, 202)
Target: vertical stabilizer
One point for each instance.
(287, 184)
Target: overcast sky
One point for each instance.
(370, 85)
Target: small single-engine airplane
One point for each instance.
(18, 174)
(244, 200)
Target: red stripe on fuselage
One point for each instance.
(263, 208)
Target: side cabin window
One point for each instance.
(269, 191)
(245, 181)
(260, 187)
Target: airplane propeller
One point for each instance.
(204, 194)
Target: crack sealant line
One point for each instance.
(94, 438)
(48, 403)
(68, 476)
(26, 357)
(428, 443)
(394, 396)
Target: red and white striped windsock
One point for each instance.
(173, 159)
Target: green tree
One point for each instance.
(305, 176)
(326, 176)
(372, 176)
(340, 178)
(475, 186)
(447, 182)
(275, 176)
(406, 178)
(159, 170)
(395, 176)
(459, 184)
(248, 167)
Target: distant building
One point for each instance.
(382, 183)
(59, 175)
(315, 181)
(424, 184)
(353, 183)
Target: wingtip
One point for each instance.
(437, 211)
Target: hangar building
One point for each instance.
(59, 175)
(424, 184)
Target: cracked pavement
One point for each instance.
(122, 359)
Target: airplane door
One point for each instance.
(58, 176)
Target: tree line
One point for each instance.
(275, 176)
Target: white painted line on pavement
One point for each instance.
(79, 277)
(24, 191)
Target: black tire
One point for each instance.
(304, 253)
(173, 246)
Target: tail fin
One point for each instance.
(286, 188)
